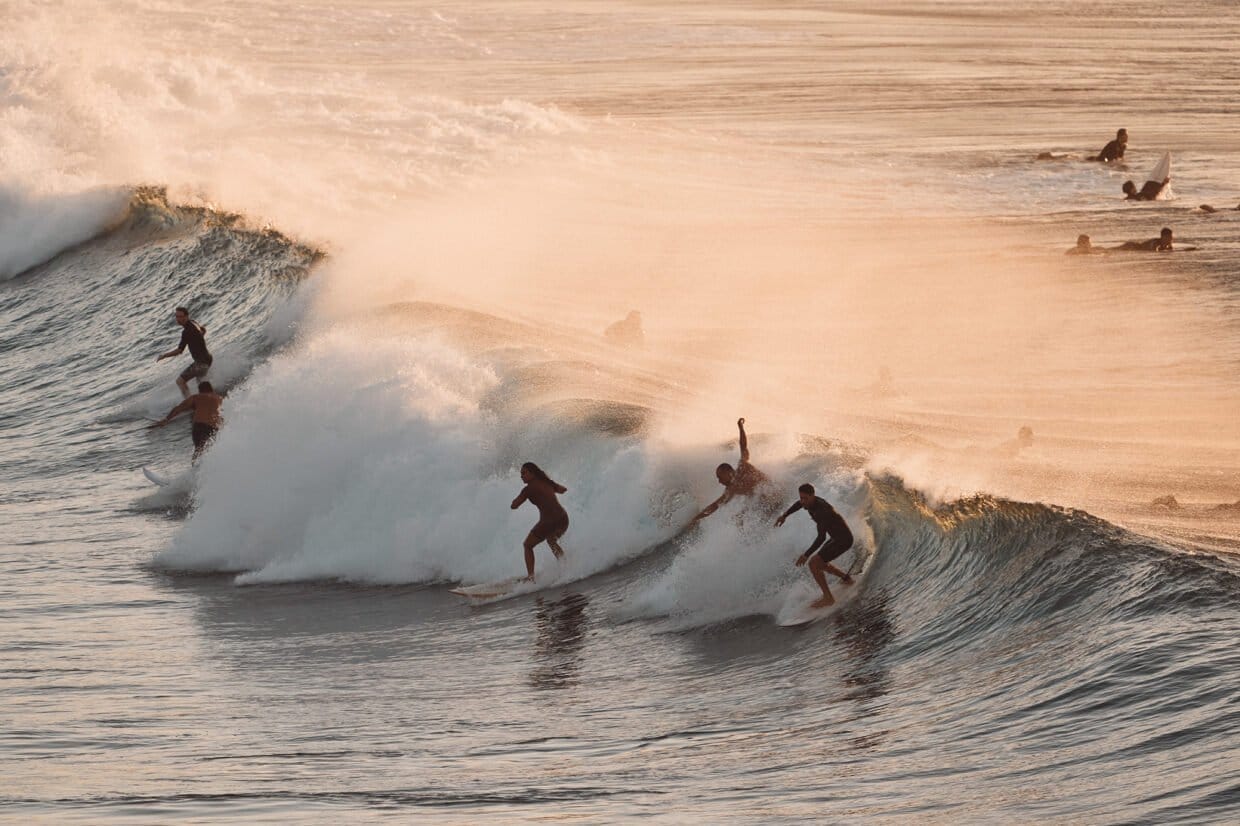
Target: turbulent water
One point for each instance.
(405, 226)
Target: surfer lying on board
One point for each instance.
(1149, 192)
(1160, 244)
(822, 551)
(1084, 247)
(552, 518)
(1114, 151)
(205, 405)
(194, 336)
(744, 479)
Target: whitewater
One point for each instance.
(406, 227)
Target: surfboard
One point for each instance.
(156, 478)
(513, 586)
(1161, 170)
(798, 608)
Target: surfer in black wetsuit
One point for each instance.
(744, 479)
(823, 550)
(1163, 243)
(193, 336)
(552, 518)
(1149, 192)
(1113, 151)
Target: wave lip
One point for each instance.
(34, 228)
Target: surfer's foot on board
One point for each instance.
(823, 601)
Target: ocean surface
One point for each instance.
(406, 226)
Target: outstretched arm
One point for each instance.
(796, 506)
(174, 352)
(183, 407)
(712, 507)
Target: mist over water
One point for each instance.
(406, 226)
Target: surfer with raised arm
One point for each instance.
(1163, 243)
(206, 420)
(552, 518)
(193, 336)
(1113, 151)
(744, 479)
(834, 537)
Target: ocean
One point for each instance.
(406, 227)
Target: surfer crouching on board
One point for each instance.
(552, 518)
(1163, 243)
(205, 405)
(194, 336)
(823, 550)
(744, 479)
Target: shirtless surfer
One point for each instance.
(1149, 192)
(1083, 247)
(552, 518)
(744, 479)
(206, 419)
(1114, 151)
(1163, 243)
(193, 336)
(823, 550)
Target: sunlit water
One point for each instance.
(405, 226)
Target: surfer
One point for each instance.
(1163, 243)
(193, 336)
(823, 550)
(552, 518)
(1149, 192)
(1083, 247)
(744, 479)
(205, 405)
(1114, 151)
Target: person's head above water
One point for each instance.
(1082, 242)
(205, 387)
(725, 473)
(1130, 188)
(531, 471)
(1024, 436)
(1121, 135)
(806, 494)
(1165, 234)
(182, 316)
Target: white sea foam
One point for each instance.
(34, 227)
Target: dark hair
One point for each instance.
(806, 488)
(183, 310)
(1166, 231)
(724, 466)
(1129, 186)
(1081, 238)
(1121, 132)
(538, 473)
(205, 387)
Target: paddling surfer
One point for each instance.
(834, 537)
(1163, 243)
(552, 518)
(206, 420)
(742, 480)
(1149, 192)
(193, 336)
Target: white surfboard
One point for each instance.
(798, 607)
(1161, 170)
(156, 478)
(511, 587)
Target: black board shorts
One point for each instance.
(832, 549)
(196, 370)
(202, 433)
(550, 527)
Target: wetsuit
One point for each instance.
(552, 518)
(1152, 245)
(1113, 151)
(830, 523)
(193, 336)
(1149, 192)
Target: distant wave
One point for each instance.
(36, 227)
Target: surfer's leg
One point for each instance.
(843, 575)
(553, 538)
(815, 569)
(530, 541)
(831, 551)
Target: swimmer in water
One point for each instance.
(1149, 192)
(1083, 247)
(1163, 243)
(1114, 151)
(552, 518)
